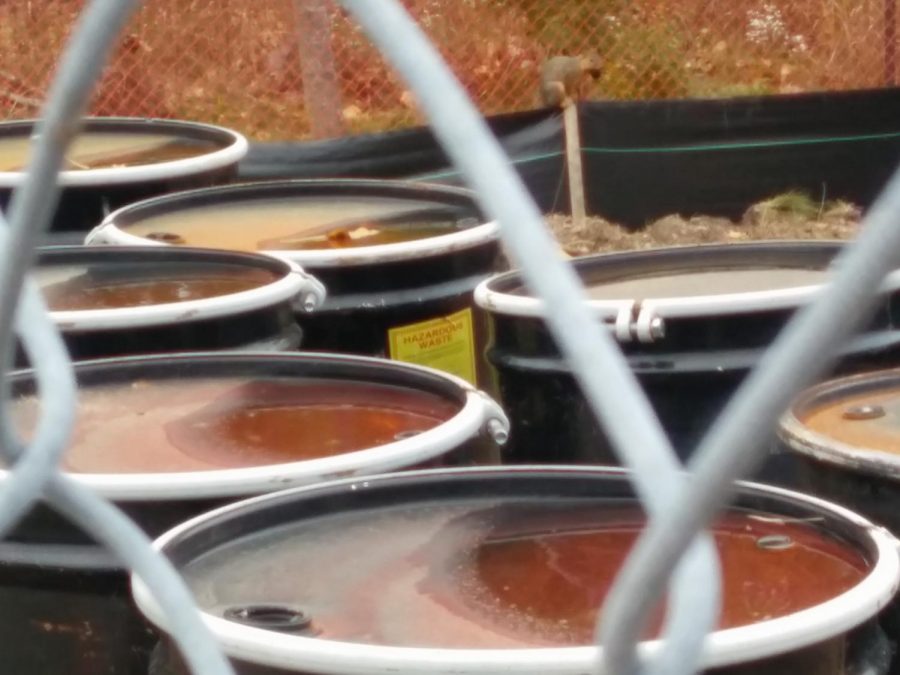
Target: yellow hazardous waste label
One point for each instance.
(446, 343)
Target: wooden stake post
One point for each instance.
(573, 162)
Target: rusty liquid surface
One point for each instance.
(96, 150)
(705, 282)
(879, 433)
(508, 573)
(118, 285)
(366, 233)
(293, 224)
(176, 425)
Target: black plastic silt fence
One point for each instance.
(647, 159)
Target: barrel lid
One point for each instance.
(212, 425)
(484, 570)
(202, 148)
(89, 288)
(851, 421)
(686, 281)
(318, 223)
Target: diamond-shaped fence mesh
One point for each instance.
(240, 63)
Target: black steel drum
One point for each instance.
(169, 437)
(118, 160)
(843, 439)
(692, 321)
(140, 300)
(503, 570)
(399, 260)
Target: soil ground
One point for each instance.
(784, 217)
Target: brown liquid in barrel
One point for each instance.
(705, 282)
(499, 575)
(202, 424)
(362, 234)
(293, 224)
(95, 150)
(880, 433)
(88, 292)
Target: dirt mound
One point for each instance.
(788, 216)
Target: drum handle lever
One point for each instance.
(638, 322)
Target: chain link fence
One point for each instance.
(800, 355)
(239, 63)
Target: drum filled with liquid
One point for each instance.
(844, 437)
(117, 160)
(841, 439)
(692, 321)
(168, 437)
(138, 300)
(493, 571)
(399, 260)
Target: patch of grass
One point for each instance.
(795, 208)
(793, 203)
(840, 208)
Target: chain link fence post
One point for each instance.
(321, 89)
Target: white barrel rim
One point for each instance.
(232, 153)
(294, 285)
(679, 307)
(110, 233)
(473, 418)
(800, 438)
(726, 647)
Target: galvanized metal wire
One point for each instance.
(34, 475)
(680, 504)
(179, 56)
(736, 443)
(602, 371)
(680, 509)
(56, 390)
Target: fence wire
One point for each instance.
(678, 513)
(34, 472)
(238, 62)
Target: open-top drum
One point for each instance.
(490, 570)
(399, 260)
(168, 437)
(843, 436)
(692, 322)
(139, 300)
(117, 160)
